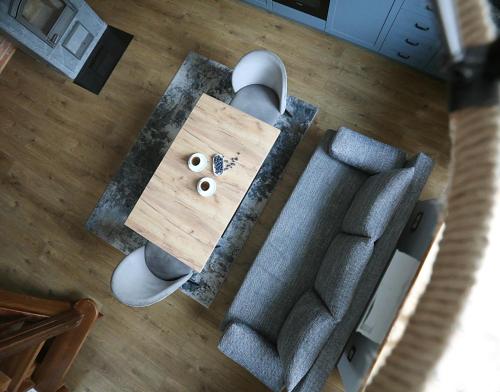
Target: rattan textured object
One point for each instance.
(473, 196)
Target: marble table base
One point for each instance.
(196, 76)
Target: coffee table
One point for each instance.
(170, 213)
(196, 75)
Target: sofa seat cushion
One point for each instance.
(288, 262)
(365, 153)
(249, 349)
(375, 203)
(341, 271)
(303, 335)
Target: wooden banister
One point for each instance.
(7, 49)
(20, 366)
(39, 332)
(49, 375)
(32, 306)
(14, 324)
(4, 382)
(27, 323)
(27, 386)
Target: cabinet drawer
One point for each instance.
(413, 58)
(411, 43)
(418, 25)
(425, 7)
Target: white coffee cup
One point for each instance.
(206, 187)
(197, 162)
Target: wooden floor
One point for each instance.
(60, 145)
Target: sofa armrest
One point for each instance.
(249, 349)
(365, 153)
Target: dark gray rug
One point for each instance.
(196, 76)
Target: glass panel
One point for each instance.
(311, 3)
(42, 14)
(318, 8)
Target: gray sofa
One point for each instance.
(313, 278)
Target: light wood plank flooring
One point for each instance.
(60, 145)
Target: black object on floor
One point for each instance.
(103, 59)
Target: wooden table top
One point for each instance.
(170, 213)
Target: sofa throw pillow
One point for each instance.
(375, 203)
(302, 336)
(341, 271)
(365, 153)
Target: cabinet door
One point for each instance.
(435, 66)
(359, 21)
(260, 3)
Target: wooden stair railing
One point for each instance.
(37, 333)
(40, 339)
(4, 382)
(7, 50)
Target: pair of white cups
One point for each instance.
(206, 186)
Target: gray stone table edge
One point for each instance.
(197, 75)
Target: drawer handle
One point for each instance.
(411, 43)
(423, 28)
(54, 38)
(403, 56)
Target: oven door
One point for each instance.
(317, 8)
(48, 19)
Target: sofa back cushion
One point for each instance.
(375, 203)
(302, 336)
(341, 271)
(297, 243)
(365, 153)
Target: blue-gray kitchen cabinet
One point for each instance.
(361, 21)
(413, 37)
(404, 30)
(298, 16)
(260, 3)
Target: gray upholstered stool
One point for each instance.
(163, 265)
(147, 276)
(258, 101)
(260, 83)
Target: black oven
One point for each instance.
(317, 8)
(48, 19)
